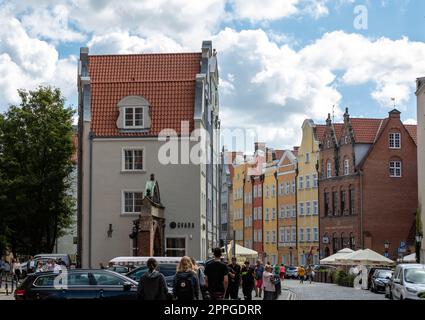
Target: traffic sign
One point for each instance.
(401, 250)
(402, 244)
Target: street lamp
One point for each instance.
(419, 238)
(386, 246)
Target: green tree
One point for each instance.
(35, 166)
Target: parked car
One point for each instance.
(119, 269)
(380, 279)
(77, 284)
(408, 282)
(371, 272)
(167, 269)
(291, 272)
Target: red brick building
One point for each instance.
(365, 164)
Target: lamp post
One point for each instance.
(419, 238)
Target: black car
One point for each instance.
(77, 284)
(380, 279)
(371, 272)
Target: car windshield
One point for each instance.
(384, 274)
(415, 276)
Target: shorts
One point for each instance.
(259, 284)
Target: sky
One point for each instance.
(280, 62)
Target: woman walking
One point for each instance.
(268, 283)
(186, 283)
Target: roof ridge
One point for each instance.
(142, 81)
(144, 54)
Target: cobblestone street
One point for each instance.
(326, 291)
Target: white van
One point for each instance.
(408, 282)
(134, 262)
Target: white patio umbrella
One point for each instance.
(365, 257)
(331, 260)
(242, 253)
(411, 258)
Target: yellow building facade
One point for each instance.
(270, 236)
(287, 208)
(307, 195)
(238, 202)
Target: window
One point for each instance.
(273, 236)
(281, 235)
(326, 194)
(268, 236)
(255, 213)
(308, 207)
(346, 167)
(335, 202)
(395, 169)
(288, 187)
(260, 213)
(267, 192)
(307, 182)
(329, 169)
(316, 234)
(307, 158)
(395, 141)
(343, 195)
(273, 191)
(132, 159)
(302, 235)
(352, 199)
(267, 214)
(260, 235)
(281, 189)
(301, 209)
(255, 191)
(294, 234)
(273, 213)
(293, 186)
(281, 212)
(308, 234)
(106, 279)
(288, 235)
(315, 181)
(175, 247)
(301, 182)
(294, 211)
(132, 202)
(260, 190)
(133, 117)
(255, 236)
(315, 207)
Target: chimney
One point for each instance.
(395, 114)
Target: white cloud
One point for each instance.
(411, 121)
(264, 9)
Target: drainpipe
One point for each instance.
(361, 209)
(90, 197)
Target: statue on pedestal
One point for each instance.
(152, 190)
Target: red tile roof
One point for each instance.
(167, 81)
(320, 131)
(413, 131)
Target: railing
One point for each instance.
(8, 283)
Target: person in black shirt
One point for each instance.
(248, 280)
(234, 280)
(216, 278)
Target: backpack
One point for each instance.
(184, 287)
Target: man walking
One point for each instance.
(234, 280)
(259, 269)
(248, 280)
(216, 276)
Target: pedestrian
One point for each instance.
(282, 272)
(234, 280)
(152, 285)
(216, 276)
(40, 267)
(16, 269)
(268, 283)
(259, 269)
(31, 265)
(276, 281)
(101, 266)
(201, 277)
(310, 273)
(248, 280)
(301, 273)
(186, 283)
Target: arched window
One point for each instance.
(343, 244)
(329, 169)
(346, 167)
(335, 243)
(352, 241)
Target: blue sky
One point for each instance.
(280, 61)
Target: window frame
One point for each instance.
(393, 140)
(400, 168)
(123, 192)
(125, 126)
(133, 149)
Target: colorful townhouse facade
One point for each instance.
(364, 165)
(287, 208)
(238, 199)
(308, 162)
(248, 229)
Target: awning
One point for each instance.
(364, 257)
(331, 260)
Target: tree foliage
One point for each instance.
(35, 167)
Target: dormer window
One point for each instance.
(395, 140)
(329, 169)
(133, 114)
(346, 167)
(133, 118)
(346, 139)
